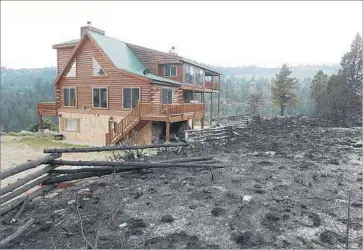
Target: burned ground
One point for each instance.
(287, 187)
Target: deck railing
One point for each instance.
(124, 126)
(153, 109)
(211, 85)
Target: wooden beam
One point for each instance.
(124, 164)
(22, 181)
(29, 165)
(40, 119)
(17, 233)
(109, 148)
(211, 107)
(16, 202)
(167, 134)
(218, 107)
(23, 189)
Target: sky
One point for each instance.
(236, 33)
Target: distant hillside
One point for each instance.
(301, 72)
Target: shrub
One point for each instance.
(47, 124)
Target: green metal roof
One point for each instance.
(123, 57)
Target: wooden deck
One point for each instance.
(171, 112)
(47, 109)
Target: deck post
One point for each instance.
(211, 107)
(40, 119)
(218, 107)
(167, 134)
(192, 124)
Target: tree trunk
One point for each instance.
(282, 110)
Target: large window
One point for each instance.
(166, 96)
(73, 70)
(170, 70)
(100, 98)
(189, 74)
(131, 97)
(97, 69)
(199, 76)
(69, 97)
(71, 125)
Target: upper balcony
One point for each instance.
(200, 79)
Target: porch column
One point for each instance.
(211, 106)
(167, 134)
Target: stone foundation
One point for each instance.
(92, 129)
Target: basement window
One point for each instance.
(70, 124)
(69, 97)
(73, 70)
(131, 97)
(99, 98)
(170, 70)
(97, 69)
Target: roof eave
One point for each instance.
(199, 65)
(64, 45)
(166, 83)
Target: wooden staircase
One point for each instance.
(124, 127)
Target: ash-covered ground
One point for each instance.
(287, 186)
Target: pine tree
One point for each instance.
(283, 90)
(254, 102)
(318, 85)
(351, 66)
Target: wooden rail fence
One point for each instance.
(17, 193)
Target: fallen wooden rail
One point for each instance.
(23, 189)
(28, 165)
(22, 181)
(75, 174)
(17, 233)
(126, 164)
(18, 201)
(110, 148)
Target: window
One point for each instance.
(70, 124)
(166, 96)
(100, 98)
(189, 97)
(199, 76)
(97, 69)
(72, 71)
(170, 70)
(189, 74)
(131, 97)
(69, 97)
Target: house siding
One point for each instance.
(62, 57)
(115, 81)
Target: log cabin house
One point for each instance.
(109, 90)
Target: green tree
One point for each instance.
(254, 102)
(283, 90)
(351, 66)
(318, 85)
